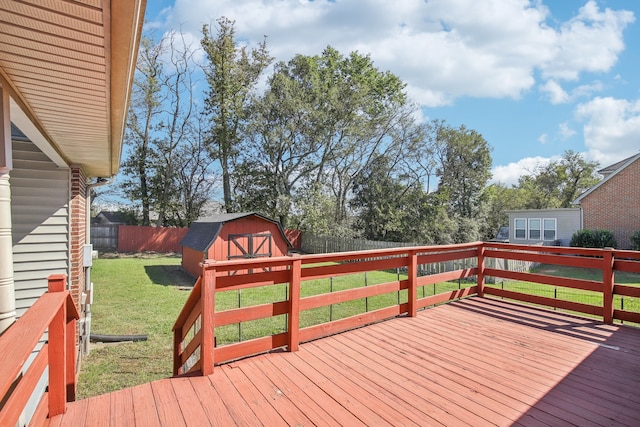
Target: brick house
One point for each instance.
(614, 203)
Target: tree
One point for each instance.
(174, 129)
(396, 208)
(465, 169)
(145, 107)
(578, 175)
(498, 200)
(164, 135)
(380, 202)
(558, 183)
(232, 73)
(195, 177)
(322, 120)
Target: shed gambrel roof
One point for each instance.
(609, 172)
(203, 232)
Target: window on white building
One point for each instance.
(549, 228)
(520, 228)
(534, 228)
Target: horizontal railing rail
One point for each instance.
(194, 332)
(20, 372)
(607, 261)
(195, 352)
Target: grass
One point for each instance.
(140, 296)
(131, 296)
(575, 295)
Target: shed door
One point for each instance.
(250, 246)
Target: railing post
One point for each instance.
(72, 353)
(608, 280)
(412, 275)
(294, 303)
(481, 270)
(58, 351)
(208, 298)
(177, 350)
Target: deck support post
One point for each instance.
(412, 292)
(480, 269)
(608, 281)
(58, 351)
(294, 303)
(208, 298)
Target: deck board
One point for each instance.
(478, 361)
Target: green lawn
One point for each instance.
(575, 295)
(144, 296)
(131, 296)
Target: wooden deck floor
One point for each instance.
(476, 362)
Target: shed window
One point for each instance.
(520, 228)
(549, 225)
(534, 229)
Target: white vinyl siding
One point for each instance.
(40, 221)
(549, 229)
(544, 226)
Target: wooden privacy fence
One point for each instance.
(138, 238)
(194, 331)
(20, 375)
(134, 238)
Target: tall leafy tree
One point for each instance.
(322, 120)
(381, 203)
(558, 183)
(232, 73)
(465, 169)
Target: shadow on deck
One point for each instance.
(477, 361)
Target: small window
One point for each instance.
(549, 225)
(520, 228)
(534, 229)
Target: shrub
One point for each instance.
(593, 239)
(635, 241)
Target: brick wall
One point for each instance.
(615, 205)
(78, 208)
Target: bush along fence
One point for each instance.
(198, 328)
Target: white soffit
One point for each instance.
(69, 66)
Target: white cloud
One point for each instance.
(591, 41)
(554, 91)
(442, 49)
(557, 95)
(565, 131)
(509, 174)
(611, 129)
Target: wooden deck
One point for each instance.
(478, 361)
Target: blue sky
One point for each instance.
(535, 78)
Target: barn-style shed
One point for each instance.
(231, 236)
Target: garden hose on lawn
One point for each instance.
(116, 338)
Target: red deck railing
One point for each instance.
(55, 313)
(194, 331)
(195, 328)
